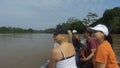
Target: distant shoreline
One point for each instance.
(24, 33)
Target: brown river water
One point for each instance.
(24, 50)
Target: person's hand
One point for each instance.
(84, 59)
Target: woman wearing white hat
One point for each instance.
(104, 56)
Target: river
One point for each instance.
(24, 50)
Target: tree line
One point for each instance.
(110, 18)
(15, 30)
(20, 30)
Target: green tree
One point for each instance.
(72, 19)
(111, 18)
(90, 19)
(17, 30)
(30, 30)
(74, 23)
(50, 30)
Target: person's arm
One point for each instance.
(93, 49)
(91, 55)
(99, 65)
(52, 63)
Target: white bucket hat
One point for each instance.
(100, 27)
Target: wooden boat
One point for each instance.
(45, 65)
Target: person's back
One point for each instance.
(62, 56)
(66, 57)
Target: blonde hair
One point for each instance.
(69, 36)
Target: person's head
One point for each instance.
(74, 32)
(87, 34)
(99, 32)
(61, 34)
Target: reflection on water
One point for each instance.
(24, 50)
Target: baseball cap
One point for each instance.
(60, 30)
(74, 31)
(100, 27)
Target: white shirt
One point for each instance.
(66, 62)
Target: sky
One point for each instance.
(44, 14)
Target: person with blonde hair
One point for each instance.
(62, 56)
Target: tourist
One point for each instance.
(62, 56)
(104, 56)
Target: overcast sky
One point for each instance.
(43, 14)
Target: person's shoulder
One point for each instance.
(92, 40)
(104, 43)
(55, 50)
(55, 53)
(104, 46)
